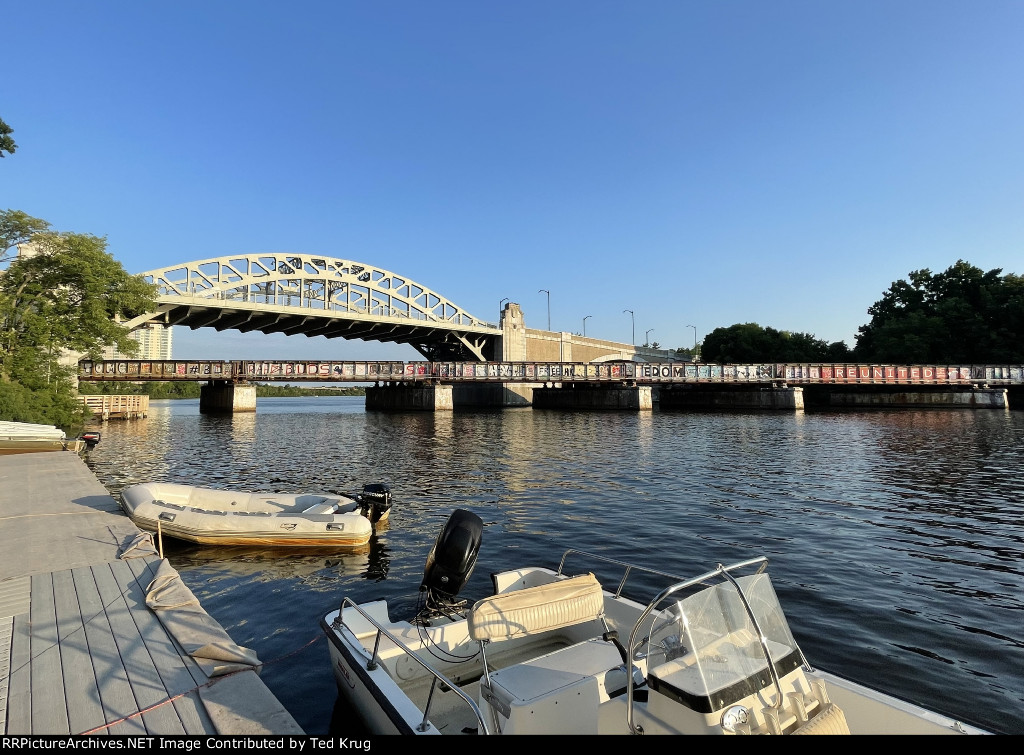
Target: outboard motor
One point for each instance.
(451, 560)
(375, 501)
(91, 438)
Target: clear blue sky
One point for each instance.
(700, 163)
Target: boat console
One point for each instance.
(724, 660)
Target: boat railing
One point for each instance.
(372, 664)
(629, 568)
(720, 572)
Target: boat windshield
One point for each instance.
(707, 650)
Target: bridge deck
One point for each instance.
(544, 372)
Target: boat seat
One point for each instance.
(324, 507)
(567, 678)
(537, 609)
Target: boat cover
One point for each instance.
(184, 619)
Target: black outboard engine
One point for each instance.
(91, 438)
(451, 560)
(375, 501)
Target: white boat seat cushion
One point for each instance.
(537, 609)
(324, 507)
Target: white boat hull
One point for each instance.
(569, 679)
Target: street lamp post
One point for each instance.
(647, 336)
(545, 291)
(585, 323)
(502, 302)
(632, 317)
(694, 340)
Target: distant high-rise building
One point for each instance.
(154, 341)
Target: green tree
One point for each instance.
(749, 342)
(17, 228)
(6, 142)
(63, 298)
(963, 315)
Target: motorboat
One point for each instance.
(28, 437)
(231, 517)
(553, 651)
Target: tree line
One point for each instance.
(963, 315)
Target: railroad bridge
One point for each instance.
(229, 386)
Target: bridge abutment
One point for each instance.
(225, 397)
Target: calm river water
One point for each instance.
(895, 538)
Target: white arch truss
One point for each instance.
(309, 282)
(308, 294)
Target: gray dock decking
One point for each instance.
(80, 650)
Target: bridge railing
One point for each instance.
(547, 372)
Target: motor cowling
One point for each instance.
(451, 560)
(375, 501)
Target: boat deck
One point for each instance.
(80, 650)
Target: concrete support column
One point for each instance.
(224, 397)
(594, 397)
(721, 397)
(920, 397)
(409, 398)
(491, 395)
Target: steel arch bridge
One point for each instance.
(314, 295)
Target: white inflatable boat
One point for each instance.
(231, 517)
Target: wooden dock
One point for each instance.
(107, 406)
(81, 651)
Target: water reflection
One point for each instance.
(896, 538)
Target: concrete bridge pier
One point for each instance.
(907, 397)
(724, 397)
(491, 395)
(581, 397)
(226, 397)
(405, 397)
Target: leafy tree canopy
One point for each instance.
(6, 142)
(65, 297)
(17, 228)
(961, 316)
(749, 342)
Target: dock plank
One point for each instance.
(115, 689)
(6, 635)
(49, 711)
(181, 675)
(19, 684)
(81, 690)
(147, 687)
